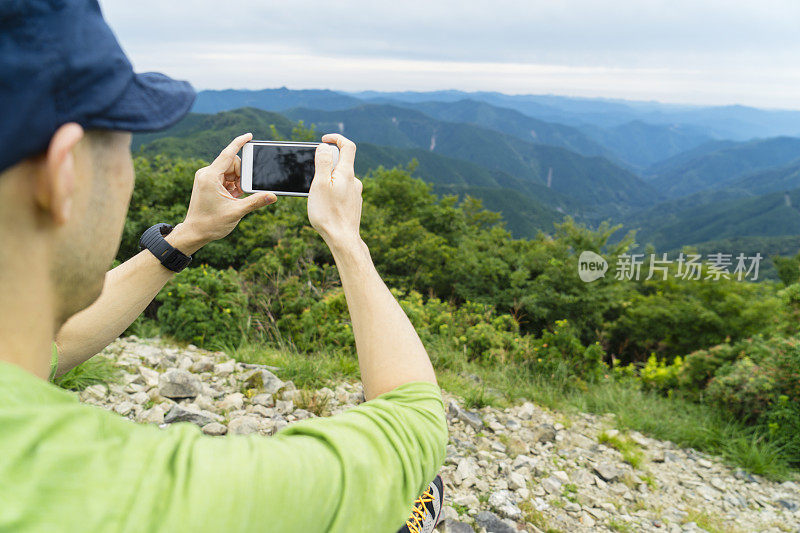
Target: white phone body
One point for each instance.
(247, 164)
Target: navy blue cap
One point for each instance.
(59, 63)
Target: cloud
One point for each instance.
(704, 52)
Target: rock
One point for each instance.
(516, 481)
(139, 398)
(284, 407)
(454, 526)
(263, 399)
(492, 523)
(302, 414)
(470, 501)
(505, 503)
(154, 415)
(526, 411)
(788, 505)
(707, 492)
(503, 459)
(203, 364)
(561, 476)
(517, 446)
(124, 408)
(471, 419)
(178, 384)
(225, 369)
(718, 484)
(467, 468)
(670, 457)
(263, 380)
(179, 413)
(552, 485)
(97, 392)
(215, 429)
(232, 401)
(607, 471)
(544, 433)
(243, 425)
(586, 520)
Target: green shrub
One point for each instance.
(560, 352)
(700, 366)
(658, 375)
(204, 306)
(675, 317)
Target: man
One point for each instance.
(69, 100)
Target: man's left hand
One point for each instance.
(217, 205)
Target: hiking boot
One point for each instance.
(427, 509)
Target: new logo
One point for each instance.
(591, 266)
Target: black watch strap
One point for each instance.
(170, 257)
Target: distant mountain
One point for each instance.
(783, 245)
(679, 160)
(715, 215)
(593, 181)
(527, 206)
(641, 144)
(199, 135)
(772, 180)
(719, 167)
(510, 122)
(271, 99)
(723, 122)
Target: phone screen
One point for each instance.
(283, 168)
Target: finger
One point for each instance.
(323, 161)
(225, 160)
(254, 201)
(347, 148)
(237, 166)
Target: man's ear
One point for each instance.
(55, 182)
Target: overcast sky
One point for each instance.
(688, 51)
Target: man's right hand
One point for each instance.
(334, 200)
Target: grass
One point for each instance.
(631, 452)
(460, 509)
(306, 371)
(618, 525)
(537, 518)
(313, 403)
(96, 370)
(683, 422)
(476, 397)
(708, 521)
(570, 492)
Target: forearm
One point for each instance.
(127, 290)
(390, 352)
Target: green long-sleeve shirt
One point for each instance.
(65, 466)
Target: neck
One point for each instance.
(27, 314)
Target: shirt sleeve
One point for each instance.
(91, 470)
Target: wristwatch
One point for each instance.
(170, 257)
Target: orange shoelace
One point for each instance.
(419, 512)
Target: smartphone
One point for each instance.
(281, 167)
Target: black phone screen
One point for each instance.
(283, 168)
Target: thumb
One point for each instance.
(323, 160)
(254, 201)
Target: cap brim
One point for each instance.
(150, 102)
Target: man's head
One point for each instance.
(68, 98)
(67, 207)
